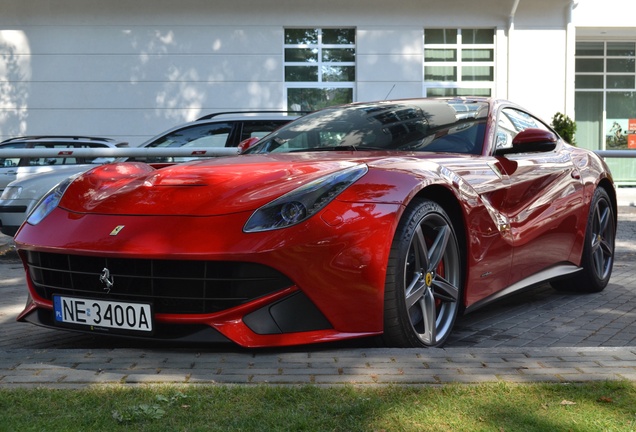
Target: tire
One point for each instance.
(424, 276)
(598, 251)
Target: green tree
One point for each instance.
(565, 127)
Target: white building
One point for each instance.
(131, 69)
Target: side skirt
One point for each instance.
(556, 272)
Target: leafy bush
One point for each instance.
(565, 127)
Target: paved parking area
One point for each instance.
(540, 335)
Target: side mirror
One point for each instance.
(531, 140)
(248, 143)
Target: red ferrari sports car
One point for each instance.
(382, 219)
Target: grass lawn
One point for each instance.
(596, 406)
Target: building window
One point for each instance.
(459, 62)
(320, 67)
(605, 83)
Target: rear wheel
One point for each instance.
(598, 252)
(424, 276)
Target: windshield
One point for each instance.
(431, 125)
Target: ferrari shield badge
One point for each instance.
(117, 229)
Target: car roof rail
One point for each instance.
(209, 116)
(66, 137)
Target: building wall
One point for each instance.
(537, 70)
(130, 70)
(604, 14)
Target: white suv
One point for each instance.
(222, 129)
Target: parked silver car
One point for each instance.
(18, 168)
(20, 196)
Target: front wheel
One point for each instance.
(424, 276)
(598, 252)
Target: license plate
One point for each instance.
(103, 314)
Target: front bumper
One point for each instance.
(13, 213)
(335, 265)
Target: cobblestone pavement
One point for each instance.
(537, 336)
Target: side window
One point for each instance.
(46, 161)
(63, 160)
(91, 160)
(205, 135)
(51, 161)
(10, 162)
(510, 123)
(214, 140)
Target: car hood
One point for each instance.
(201, 188)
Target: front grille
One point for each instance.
(172, 286)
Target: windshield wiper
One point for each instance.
(336, 148)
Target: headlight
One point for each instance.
(49, 202)
(302, 203)
(11, 192)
